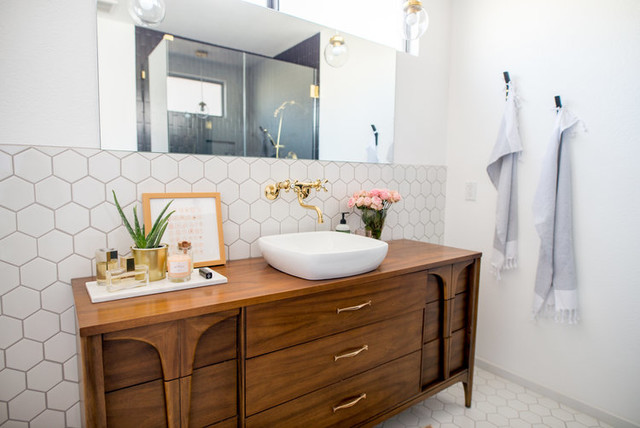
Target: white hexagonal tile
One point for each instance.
(68, 321)
(27, 405)
(231, 232)
(361, 173)
(63, 395)
(4, 412)
(88, 192)
(150, 185)
(60, 347)
(239, 170)
(20, 302)
(10, 332)
(41, 325)
(55, 246)
(260, 170)
(332, 172)
(125, 190)
(35, 220)
(8, 222)
(38, 274)
(53, 192)
(315, 170)
(6, 165)
(32, 165)
(16, 193)
(289, 225)
(250, 191)
(239, 211)
(298, 171)
(203, 185)
(191, 169)
(177, 186)
(280, 208)
(120, 240)
(10, 278)
(86, 242)
(136, 167)
(70, 369)
(74, 416)
(280, 170)
(164, 168)
(239, 250)
(215, 169)
(260, 210)
(57, 297)
(105, 218)
(24, 354)
(249, 231)
(70, 166)
(104, 166)
(269, 227)
(229, 191)
(72, 218)
(48, 419)
(13, 383)
(18, 248)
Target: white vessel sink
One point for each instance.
(322, 255)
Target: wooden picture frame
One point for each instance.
(197, 219)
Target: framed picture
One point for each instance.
(197, 219)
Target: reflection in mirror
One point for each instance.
(190, 89)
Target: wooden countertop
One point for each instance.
(251, 281)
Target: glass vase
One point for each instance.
(373, 221)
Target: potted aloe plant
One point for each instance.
(148, 249)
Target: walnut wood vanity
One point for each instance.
(272, 350)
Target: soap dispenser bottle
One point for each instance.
(343, 226)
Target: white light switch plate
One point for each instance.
(470, 190)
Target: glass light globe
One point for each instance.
(203, 110)
(147, 13)
(414, 20)
(336, 53)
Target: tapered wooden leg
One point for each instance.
(468, 387)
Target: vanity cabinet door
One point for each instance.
(273, 326)
(349, 402)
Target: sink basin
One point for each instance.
(322, 255)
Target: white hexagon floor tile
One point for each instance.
(446, 409)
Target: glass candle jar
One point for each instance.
(180, 263)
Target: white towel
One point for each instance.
(503, 172)
(552, 214)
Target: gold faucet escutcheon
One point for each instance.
(302, 189)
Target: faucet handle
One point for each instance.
(273, 190)
(321, 185)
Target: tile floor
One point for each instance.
(497, 402)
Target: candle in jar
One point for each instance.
(180, 263)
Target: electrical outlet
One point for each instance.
(470, 190)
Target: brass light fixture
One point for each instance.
(414, 20)
(336, 53)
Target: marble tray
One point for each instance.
(99, 293)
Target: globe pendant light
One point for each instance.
(336, 53)
(147, 13)
(414, 20)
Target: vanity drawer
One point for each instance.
(139, 406)
(213, 394)
(350, 401)
(276, 325)
(283, 375)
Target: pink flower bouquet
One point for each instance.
(373, 204)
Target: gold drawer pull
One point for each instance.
(350, 403)
(354, 308)
(351, 354)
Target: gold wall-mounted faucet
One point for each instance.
(302, 190)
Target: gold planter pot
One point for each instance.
(155, 258)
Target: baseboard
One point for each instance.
(600, 414)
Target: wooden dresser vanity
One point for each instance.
(271, 350)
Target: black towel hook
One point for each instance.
(558, 102)
(507, 81)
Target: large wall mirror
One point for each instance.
(228, 77)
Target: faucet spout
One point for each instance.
(311, 207)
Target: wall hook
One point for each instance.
(507, 81)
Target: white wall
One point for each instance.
(589, 53)
(422, 85)
(49, 85)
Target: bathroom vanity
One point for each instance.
(268, 349)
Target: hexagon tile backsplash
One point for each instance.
(56, 208)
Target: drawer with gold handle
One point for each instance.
(348, 402)
(277, 325)
(286, 374)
